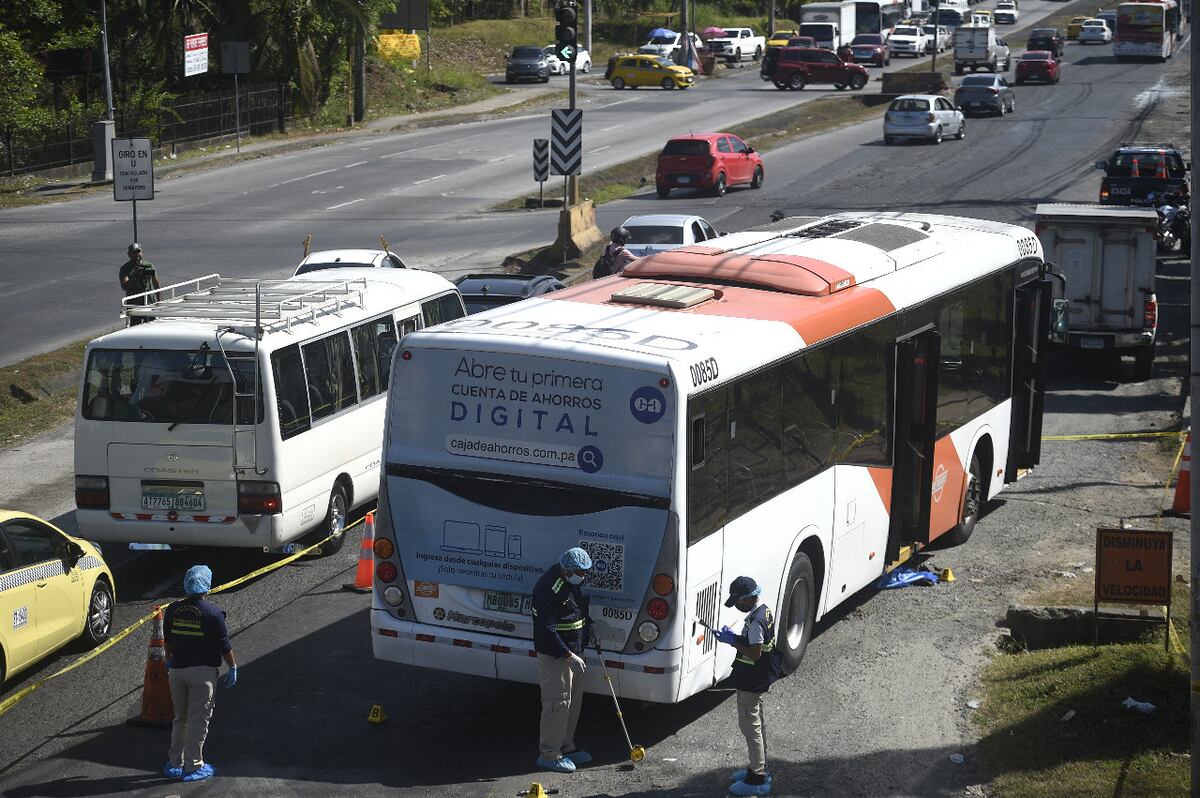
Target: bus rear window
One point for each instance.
(161, 386)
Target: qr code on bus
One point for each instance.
(608, 566)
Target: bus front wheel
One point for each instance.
(799, 609)
(335, 519)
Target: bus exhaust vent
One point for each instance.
(825, 229)
(884, 236)
(664, 295)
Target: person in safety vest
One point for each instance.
(561, 628)
(196, 641)
(753, 673)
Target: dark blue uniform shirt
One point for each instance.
(195, 633)
(560, 615)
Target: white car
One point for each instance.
(908, 40)
(583, 62)
(938, 36)
(348, 258)
(922, 116)
(1005, 13)
(659, 232)
(1095, 31)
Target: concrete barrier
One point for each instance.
(577, 230)
(913, 82)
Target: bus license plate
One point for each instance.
(166, 497)
(507, 602)
(1091, 342)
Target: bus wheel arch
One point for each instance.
(341, 500)
(975, 491)
(799, 599)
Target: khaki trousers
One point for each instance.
(750, 721)
(562, 695)
(192, 692)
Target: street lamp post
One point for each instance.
(103, 130)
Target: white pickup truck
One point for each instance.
(1107, 256)
(738, 44)
(668, 45)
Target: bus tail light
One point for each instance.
(393, 596)
(657, 609)
(383, 548)
(1150, 312)
(386, 572)
(259, 498)
(663, 584)
(91, 492)
(648, 631)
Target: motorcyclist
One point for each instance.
(137, 276)
(616, 255)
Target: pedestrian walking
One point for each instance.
(616, 255)
(756, 667)
(561, 628)
(197, 641)
(137, 276)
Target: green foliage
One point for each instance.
(20, 78)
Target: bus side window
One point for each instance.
(373, 345)
(291, 391)
(707, 479)
(809, 419)
(443, 308)
(755, 446)
(331, 385)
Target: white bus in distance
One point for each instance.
(805, 404)
(192, 431)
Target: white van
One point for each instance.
(191, 430)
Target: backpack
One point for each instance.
(605, 264)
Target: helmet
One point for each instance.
(135, 247)
(620, 235)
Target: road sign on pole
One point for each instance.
(541, 159)
(195, 54)
(133, 170)
(566, 136)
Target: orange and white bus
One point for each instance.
(806, 403)
(1147, 29)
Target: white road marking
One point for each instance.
(426, 180)
(306, 177)
(600, 149)
(352, 165)
(397, 154)
(344, 204)
(610, 127)
(498, 160)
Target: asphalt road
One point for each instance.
(422, 191)
(878, 705)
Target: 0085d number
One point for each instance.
(704, 371)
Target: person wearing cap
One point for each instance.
(754, 646)
(561, 627)
(197, 641)
(616, 255)
(137, 276)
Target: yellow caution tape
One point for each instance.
(24, 692)
(1112, 436)
(1177, 644)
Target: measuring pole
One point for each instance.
(1194, 377)
(135, 238)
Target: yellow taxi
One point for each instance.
(780, 38)
(650, 70)
(1075, 25)
(53, 588)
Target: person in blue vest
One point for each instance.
(754, 670)
(561, 628)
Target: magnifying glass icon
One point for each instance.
(590, 459)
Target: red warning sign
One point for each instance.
(1133, 566)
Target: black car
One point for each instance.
(527, 63)
(1049, 39)
(1136, 170)
(482, 292)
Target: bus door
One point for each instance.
(913, 432)
(1031, 350)
(707, 499)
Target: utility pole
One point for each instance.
(587, 27)
(567, 34)
(360, 72)
(684, 39)
(771, 18)
(1194, 375)
(103, 131)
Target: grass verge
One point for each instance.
(765, 133)
(39, 393)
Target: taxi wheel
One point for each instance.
(618, 84)
(98, 624)
(667, 84)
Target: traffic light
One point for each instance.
(566, 31)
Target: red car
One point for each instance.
(871, 48)
(1038, 65)
(799, 66)
(707, 161)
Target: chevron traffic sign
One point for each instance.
(541, 159)
(566, 141)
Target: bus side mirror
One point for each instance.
(1059, 326)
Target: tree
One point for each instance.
(20, 80)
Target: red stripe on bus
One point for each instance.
(426, 638)
(882, 477)
(949, 482)
(501, 650)
(462, 643)
(653, 669)
(614, 664)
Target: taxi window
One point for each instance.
(31, 543)
(7, 563)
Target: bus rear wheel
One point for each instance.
(799, 609)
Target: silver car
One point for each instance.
(985, 93)
(922, 116)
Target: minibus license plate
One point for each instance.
(507, 602)
(1091, 342)
(167, 497)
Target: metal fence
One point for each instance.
(189, 119)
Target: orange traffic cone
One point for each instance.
(1183, 483)
(158, 710)
(1160, 173)
(1133, 170)
(365, 575)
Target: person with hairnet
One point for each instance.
(197, 641)
(561, 627)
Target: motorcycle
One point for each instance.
(1174, 222)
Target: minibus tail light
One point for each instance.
(91, 492)
(259, 498)
(383, 548)
(657, 609)
(386, 572)
(1150, 312)
(663, 584)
